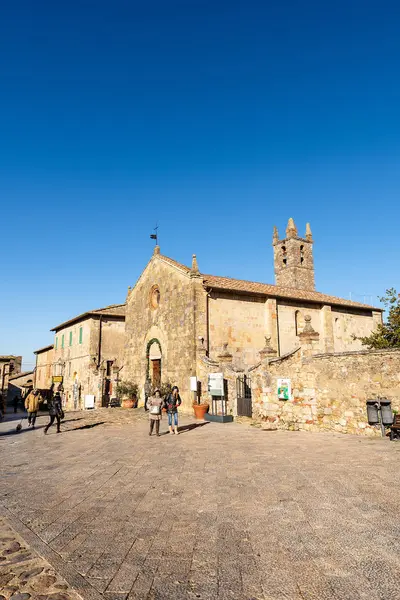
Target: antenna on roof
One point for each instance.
(154, 236)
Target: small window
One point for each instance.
(284, 262)
(109, 367)
(80, 334)
(62, 341)
(70, 338)
(56, 343)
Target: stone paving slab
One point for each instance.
(222, 511)
(24, 574)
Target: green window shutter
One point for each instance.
(80, 334)
(56, 343)
(70, 338)
(62, 341)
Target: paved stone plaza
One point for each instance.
(218, 512)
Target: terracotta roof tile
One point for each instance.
(116, 310)
(266, 289)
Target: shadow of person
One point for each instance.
(191, 426)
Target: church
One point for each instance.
(179, 320)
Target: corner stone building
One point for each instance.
(182, 323)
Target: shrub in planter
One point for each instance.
(129, 391)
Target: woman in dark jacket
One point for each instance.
(172, 401)
(55, 412)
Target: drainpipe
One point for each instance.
(277, 329)
(99, 348)
(208, 320)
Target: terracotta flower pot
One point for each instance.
(128, 403)
(200, 410)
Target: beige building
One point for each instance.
(87, 355)
(181, 323)
(44, 368)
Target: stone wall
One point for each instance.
(167, 323)
(77, 362)
(329, 391)
(43, 374)
(240, 322)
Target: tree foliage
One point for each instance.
(387, 335)
(128, 389)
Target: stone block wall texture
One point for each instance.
(77, 362)
(44, 363)
(240, 322)
(329, 391)
(172, 324)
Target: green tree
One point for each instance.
(387, 335)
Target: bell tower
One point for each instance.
(293, 258)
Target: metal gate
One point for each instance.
(243, 392)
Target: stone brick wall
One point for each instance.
(346, 323)
(240, 322)
(77, 363)
(329, 391)
(43, 375)
(171, 324)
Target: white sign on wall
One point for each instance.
(89, 401)
(193, 384)
(284, 389)
(216, 384)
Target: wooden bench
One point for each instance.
(395, 428)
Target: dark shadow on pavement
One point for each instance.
(88, 426)
(24, 429)
(185, 428)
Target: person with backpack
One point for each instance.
(55, 412)
(32, 406)
(172, 401)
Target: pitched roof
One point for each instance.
(22, 374)
(174, 263)
(44, 349)
(268, 289)
(114, 310)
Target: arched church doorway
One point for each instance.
(154, 365)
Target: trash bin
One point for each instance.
(372, 412)
(386, 411)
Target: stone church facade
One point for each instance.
(182, 323)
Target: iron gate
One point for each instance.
(243, 392)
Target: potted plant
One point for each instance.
(129, 391)
(200, 406)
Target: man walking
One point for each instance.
(55, 412)
(32, 406)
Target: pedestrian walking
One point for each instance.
(172, 401)
(32, 406)
(154, 404)
(55, 412)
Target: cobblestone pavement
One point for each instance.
(24, 574)
(222, 511)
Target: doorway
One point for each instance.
(154, 362)
(156, 372)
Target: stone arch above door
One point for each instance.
(154, 361)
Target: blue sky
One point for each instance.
(215, 119)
